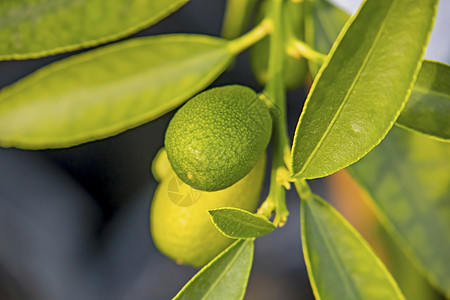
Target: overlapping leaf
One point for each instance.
(362, 87)
(108, 90)
(323, 21)
(408, 178)
(428, 108)
(340, 263)
(238, 223)
(225, 277)
(35, 28)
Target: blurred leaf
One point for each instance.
(408, 179)
(106, 91)
(225, 277)
(295, 69)
(340, 263)
(237, 15)
(323, 24)
(241, 224)
(412, 282)
(363, 85)
(36, 28)
(428, 108)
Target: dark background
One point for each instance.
(74, 222)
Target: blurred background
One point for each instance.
(74, 223)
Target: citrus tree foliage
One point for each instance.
(365, 74)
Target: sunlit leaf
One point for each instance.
(225, 277)
(340, 264)
(408, 179)
(428, 108)
(362, 87)
(104, 92)
(35, 28)
(238, 223)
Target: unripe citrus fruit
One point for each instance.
(216, 138)
(180, 223)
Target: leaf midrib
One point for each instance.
(119, 86)
(403, 242)
(347, 95)
(431, 92)
(339, 266)
(250, 224)
(222, 274)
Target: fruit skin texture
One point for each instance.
(185, 232)
(216, 138)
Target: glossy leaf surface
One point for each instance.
(408, 179)
(108, 90)
(30, 29)
(238, 223)
(362, 86)
(225, 277)
(428, 108)
(340, 264)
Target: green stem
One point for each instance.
(275, 90)
(237, 14)
(309, 34)
(241, 43)
(298, 49)
(303, 188)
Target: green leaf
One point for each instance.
(236, 18)
(36, 28)
(340, 263)
(362, 86)
(428, 108)
(225, 277)
(106, 91)
(239, 223)
(408, 179)
(323, 24)
(412, 282)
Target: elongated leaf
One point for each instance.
(30, 29)
(412, 282)
(428, 108)
(225, 277)
(408, 178)
(323, 24)
(340, 263)
(241, 224)
(106, 91)
(362, 87)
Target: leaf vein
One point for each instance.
(347, 95)
(222, 274)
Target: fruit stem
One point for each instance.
(275, 90)
(241, 43)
